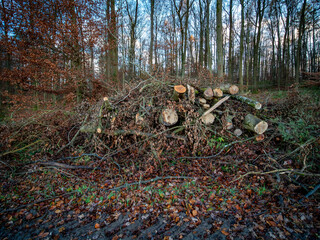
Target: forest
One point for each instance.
(159, 119)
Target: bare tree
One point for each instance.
(219, 39)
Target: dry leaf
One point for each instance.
(224, 232)
(194, 213)
(97, 225)
(43, 234)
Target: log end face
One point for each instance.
(233, 89)
(169, 117)
(180, 89)
(208, 93)
(208, 119)
(261, 127)
(258, 106)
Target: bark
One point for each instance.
(208, 58)
(230, 65)
(228, 121)
(201, 34)
(191, 93)
(301, 32)
(256, 65)
(229, 88)
(179, 91)
(113, 43)
(241, 47)
(133, 17)
(219, 40)
(255, 124)
(253, 103)
(151, 36)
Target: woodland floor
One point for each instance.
(226, 188)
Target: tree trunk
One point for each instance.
(301, 32)
(151, 37)
(255, 124)
(113, 44)
(228, 88)
(230, 62)
(241, 47)
(219, 40)
(256, 64)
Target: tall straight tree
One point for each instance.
(133, 18)
(113, 42)
(261, 6)
(241, 47)
(300, 35)
(208, 57)
(219, 39)
(182, 11)
(230, 62)
(151, 36)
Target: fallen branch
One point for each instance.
(289, 170)
(66, 166)
(253, 103)
(139, 133)
(148, 181)
(216, 105)
(311, 192)
(20, 149)
(74, 137)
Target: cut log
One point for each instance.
(208, 119)
(255, 124)
(208, 93)
(217, 92)
(229, 88)
(206, 106)
(169, 117)
(202, 101)
(237, 132)
(179, 91)
(216, 105)
(253, 103)
(228, 123)
(191, 93)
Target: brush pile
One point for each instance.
(175, 115)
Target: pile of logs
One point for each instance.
(210, 104)
(210, 99)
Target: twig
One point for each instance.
(75, 136)
(17, 150)
(312, 191)
(310, 141)
(215, 155)
(289, 170)
(148, 181)
(132, 145)
(66, 166)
